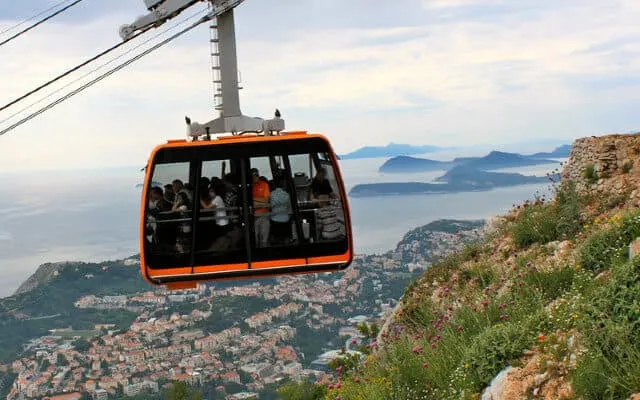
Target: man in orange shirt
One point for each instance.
(261, 198)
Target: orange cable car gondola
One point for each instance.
(251, 201)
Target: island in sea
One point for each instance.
(390, 150)
(493, 160)
(459, 179)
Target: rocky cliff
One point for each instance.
(606, 165)
(43, 274)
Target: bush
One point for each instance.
(543, 223)
(611, 368)
(604, 248)
(494, 349)
(600, 249)
(590, 174)
(302, 391)
(552, 284)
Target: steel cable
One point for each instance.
(39, 22)
(202, 20)
(97, 68)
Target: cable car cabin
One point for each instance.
(243, 206)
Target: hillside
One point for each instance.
(463, 175)
(493, 160)
(459, 179)
(408, 164)
(501, 159)
(390, 150)
(282, 325)
(562, 151)
(544, 305)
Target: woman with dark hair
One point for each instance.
(216, 191)
(182, 203)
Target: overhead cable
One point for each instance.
(77, 67)
(39, 22)
(32, 17)
(202, 20)
(107, 63)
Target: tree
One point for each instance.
(180, 391)
(104, 366)
(82, 345)
(61, 361)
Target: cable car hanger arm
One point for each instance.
(231, 118)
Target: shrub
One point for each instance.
(611, 368)
(600, 249)
(604, 248)
(302, 391)
(552, 284)
(494, 349)
(543, 223)
(590, 174)
(626, 167)
(472, 251)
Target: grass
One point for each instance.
(475, 313)
(543, 222)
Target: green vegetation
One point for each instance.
(590, 174)
(569, 312)
(302, 391)
(543, 222)
(181, 391)
(51, 305)
(6, 380)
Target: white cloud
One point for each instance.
(458, 3)
(473, 81)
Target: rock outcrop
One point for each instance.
(43, 274)
(606, 165)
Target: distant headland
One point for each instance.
(493, 160)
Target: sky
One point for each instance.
(362, 72)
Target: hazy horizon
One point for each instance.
(524, 147)
(93, 215)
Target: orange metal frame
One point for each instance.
(184, 276)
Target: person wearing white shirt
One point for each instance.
(281, 211)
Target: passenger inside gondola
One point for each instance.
(261, 202)
(182, 203)
(281, 212)
(288, 208)
(321, 190)
(157, 202)
(169, 194)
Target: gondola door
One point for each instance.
(224, 240)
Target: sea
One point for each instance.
(93, 215)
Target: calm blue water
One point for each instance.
(93, 215)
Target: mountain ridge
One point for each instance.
(461, 178)
(493, 160)
(390, 150)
